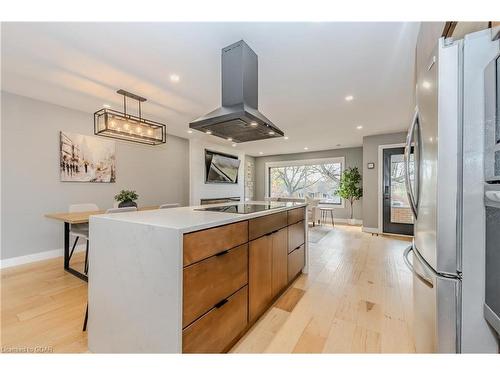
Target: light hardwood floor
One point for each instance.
(357, 298)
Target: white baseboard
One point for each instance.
(342, 220)
(371, 230)
(44, 255)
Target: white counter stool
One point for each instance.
(324, 214)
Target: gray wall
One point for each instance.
(30, 173)
(353, 158)
(370, 176)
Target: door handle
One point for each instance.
(386, 192)
(409, 190)
(493, 196)
(424, 278)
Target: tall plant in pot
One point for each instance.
(126, 198)
(350, 188)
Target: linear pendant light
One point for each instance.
(121, 125)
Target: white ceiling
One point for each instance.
(305, 72)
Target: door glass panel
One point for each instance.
(400, 207)
(493, 259)
(497, 111)
(497, 163)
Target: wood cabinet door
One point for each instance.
(263, 225)
(215, 331)
(296, 236)
(259, 275)
(279, 278)
(296, 261)
(208, 282)
(205, 243)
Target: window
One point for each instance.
(317, 178)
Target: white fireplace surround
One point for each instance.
(198, 189)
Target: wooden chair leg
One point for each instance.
(86, 318)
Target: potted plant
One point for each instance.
(127, 198)
(349, 188)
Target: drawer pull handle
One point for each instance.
(273, 232)
(221, 303)
(222, 253)
(298, 247)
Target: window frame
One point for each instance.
(290, 163)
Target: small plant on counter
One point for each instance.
(349, 188)
(127, 198)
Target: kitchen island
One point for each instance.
(189, 279)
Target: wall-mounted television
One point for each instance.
(221, 168)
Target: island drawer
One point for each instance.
(215, 331)
(296, 215)
(205, 243)
(266, 224)
(210, 281)
(296, 235)
(296, 261)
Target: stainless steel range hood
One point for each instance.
(238, 117)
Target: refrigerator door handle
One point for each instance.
(409, 190)
(423, 278)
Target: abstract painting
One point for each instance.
(86, 159)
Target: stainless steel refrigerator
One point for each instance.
(447, 253)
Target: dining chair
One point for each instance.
(120, 209)
(81, 230)
(170, 205)
(313, 211)
(108, 211)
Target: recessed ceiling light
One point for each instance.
(261, 153)
(348, 98)
(189, 131)
(271, 133)
(106, 106)
(230, 139)
(306, 148)
(359, 127)
(286, 138)
(234, 145)
(208, 132)
(253, 123)
(175, 78)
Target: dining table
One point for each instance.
(69, 218)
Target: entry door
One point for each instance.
(397, 214)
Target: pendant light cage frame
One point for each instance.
(121, 125)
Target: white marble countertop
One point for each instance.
(188, 219)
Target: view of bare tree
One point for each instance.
(294, 178)
(318, 180)
(332, 171)
(398, 172)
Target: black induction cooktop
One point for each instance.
(243, 208)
